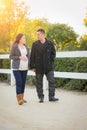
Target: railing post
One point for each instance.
(12, 76)
(45, 83)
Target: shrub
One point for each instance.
(4, 64)
(71, 65)
(31, 80)
(74, 84)
(82, 66)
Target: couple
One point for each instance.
(40, 61)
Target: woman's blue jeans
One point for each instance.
(20, 78)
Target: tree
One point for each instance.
(83, 42)
(37, 24)
(62, 35)
(85, 20)
(11, 16)
(29, 28)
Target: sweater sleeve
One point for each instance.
(13, 55)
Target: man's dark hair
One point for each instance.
(41, 30)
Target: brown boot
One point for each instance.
(19, 99)
(23, 98)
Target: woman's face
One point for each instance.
(23, 40)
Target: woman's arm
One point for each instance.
(13, 54)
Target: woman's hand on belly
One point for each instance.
(23, 58)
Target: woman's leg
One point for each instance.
(18, 80)
(24, 76)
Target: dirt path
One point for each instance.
(70, 113)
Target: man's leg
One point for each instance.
(39, 85)
(50, 78)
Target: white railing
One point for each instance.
(57, 74)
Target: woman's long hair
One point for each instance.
(18, 37)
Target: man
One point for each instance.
(41, 62)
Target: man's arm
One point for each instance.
(53, 52)
(32, 57)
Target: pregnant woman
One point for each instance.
(20, 62)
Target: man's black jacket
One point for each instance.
(42, 56)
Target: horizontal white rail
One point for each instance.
(4, 56)
(8, 71)
(72, 75)
(5, 71)
(71, 54)
(58, 54)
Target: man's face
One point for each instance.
(40, 35)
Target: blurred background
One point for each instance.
(65, 22)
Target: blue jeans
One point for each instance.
(39, 84)
(20, 78)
